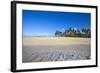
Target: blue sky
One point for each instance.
(40, 23)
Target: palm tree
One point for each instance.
(72, 31)
(58, 33)
(86, 32)
(65, 33)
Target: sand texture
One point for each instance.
(44, 49)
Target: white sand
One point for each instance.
(55, 49)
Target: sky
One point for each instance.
(46, 23)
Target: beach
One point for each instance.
(48, 49)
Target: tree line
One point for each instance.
(72, 32)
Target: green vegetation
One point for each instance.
(72, 32)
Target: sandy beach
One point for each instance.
(43, 49)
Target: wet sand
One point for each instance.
(55, 49)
